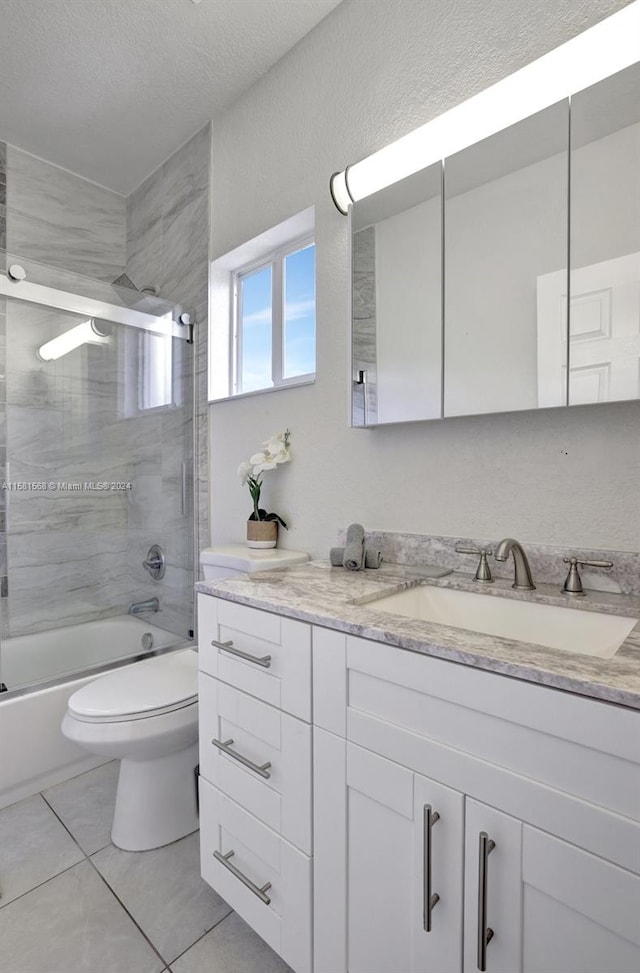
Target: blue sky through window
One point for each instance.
(299, 351)
(299, 324)
(256, 331)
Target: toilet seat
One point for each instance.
(150, 688)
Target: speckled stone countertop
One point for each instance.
(346, 601)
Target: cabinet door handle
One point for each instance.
(429, 899)
(485, 934)
(260, 892)
(264, 661)
(225, 746)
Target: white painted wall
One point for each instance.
(369, 73)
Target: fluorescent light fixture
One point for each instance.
(604, 49)
(83, 334)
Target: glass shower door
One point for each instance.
(99, 470)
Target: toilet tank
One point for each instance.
(232, 560)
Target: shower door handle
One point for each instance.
(183, 491)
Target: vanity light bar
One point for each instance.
(598, 52)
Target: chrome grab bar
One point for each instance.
(224, 860)
(225, 747)
(264, 661)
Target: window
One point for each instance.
(262, 333)
(275, 320)
(154, 371)
(152, 366)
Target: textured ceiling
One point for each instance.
(110, 88)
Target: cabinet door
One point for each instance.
(388, 866)
(580, 912)
(493, 904)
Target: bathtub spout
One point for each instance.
(151, 605)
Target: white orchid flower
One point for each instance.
(266, 464)
(278, 451)
(275, 451)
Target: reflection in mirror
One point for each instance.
(505, 229)
(397, 302)
(604, 343)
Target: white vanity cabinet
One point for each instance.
(541, 787)
(255, 770)
(346, 785)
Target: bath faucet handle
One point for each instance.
(573, 581)
(483, 572)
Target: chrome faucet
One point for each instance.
(150, 605)
(523, 579)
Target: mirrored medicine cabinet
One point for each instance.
(506, 277)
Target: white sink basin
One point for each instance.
(566, 629)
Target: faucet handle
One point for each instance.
(573, 581)
(483, 572)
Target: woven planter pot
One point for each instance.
(262, 533)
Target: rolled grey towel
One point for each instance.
(354, 548)
(372, 559)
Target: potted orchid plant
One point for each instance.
(262, 527)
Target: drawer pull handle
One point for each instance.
(225, 746)
(224, 860)
(264, 661)
(429, 818)
(485, 935)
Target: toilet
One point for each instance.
(146, 716)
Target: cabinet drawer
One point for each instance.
(260, 734)
(269, 656)
(261, 857)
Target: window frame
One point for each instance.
(275, 259)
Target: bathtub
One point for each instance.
(41, 672)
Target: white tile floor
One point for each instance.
(73, 903)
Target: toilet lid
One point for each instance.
(160, 684)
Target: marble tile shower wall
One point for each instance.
(67, 547)
(82, 553)
(168, 248)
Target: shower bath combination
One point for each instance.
(99, 499)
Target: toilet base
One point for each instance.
(155, 801)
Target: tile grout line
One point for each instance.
(103, 879)
(214, 926)
(5, 905)
(88, 858)
(124, 908)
